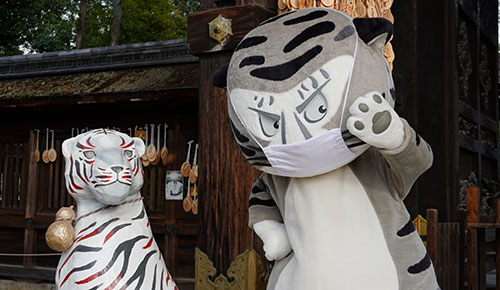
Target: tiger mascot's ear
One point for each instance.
(375, 32)
(140, 148)
(219, 77)
(67, 147)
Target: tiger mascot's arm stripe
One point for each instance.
(78, 269)
(114, 231)
(140, 216)
(126, 248)
(161, 279)
(98, 230)
(91, 225)
(96, 287)
(79, 248)
(148, 244)
(154, 278)
(139, 272)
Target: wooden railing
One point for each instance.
(480, 250)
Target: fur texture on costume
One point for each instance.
(311, 105)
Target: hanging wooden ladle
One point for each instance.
(45, 154)
(151, 149)
(186, 166)
(194, 203)
(187, 203)
(193, 173)
(144, 157)
(52, 151)
(156, 159)
(36, 154)
(164, 150)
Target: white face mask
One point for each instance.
(317, 155)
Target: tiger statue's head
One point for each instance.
(103, 165)
(288, 78)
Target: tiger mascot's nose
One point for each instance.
(117, 169)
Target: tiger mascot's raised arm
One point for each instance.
(114, 247)
(310, 101)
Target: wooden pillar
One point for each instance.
(497, 243)
(225, 178)
(432, 236)
(472, 237)
(30, 234)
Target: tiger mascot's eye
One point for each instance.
(89, 154)
(129, 153)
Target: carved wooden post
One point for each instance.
(225, 178)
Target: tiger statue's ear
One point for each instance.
(219, 77)
(375, 32)
(140, 148)
(67, 147)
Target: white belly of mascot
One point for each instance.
(336, 236)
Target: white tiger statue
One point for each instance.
(114, 247)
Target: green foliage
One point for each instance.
(98, 23)
(11, 26)
(50, 25)
(39, 26)
(151, 20)
(142, 21)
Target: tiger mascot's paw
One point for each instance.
(275, 238)
(374, 121)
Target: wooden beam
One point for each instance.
(185, 96)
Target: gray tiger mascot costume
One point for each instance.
(311, 105)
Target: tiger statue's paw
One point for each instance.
(374, 121)
(273, 234)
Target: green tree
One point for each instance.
(12, 25)
(153, 20)
(98, 23)
(51, 25)
(141, 21)
(38, 26)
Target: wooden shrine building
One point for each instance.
(119, 87)
(446, 76)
